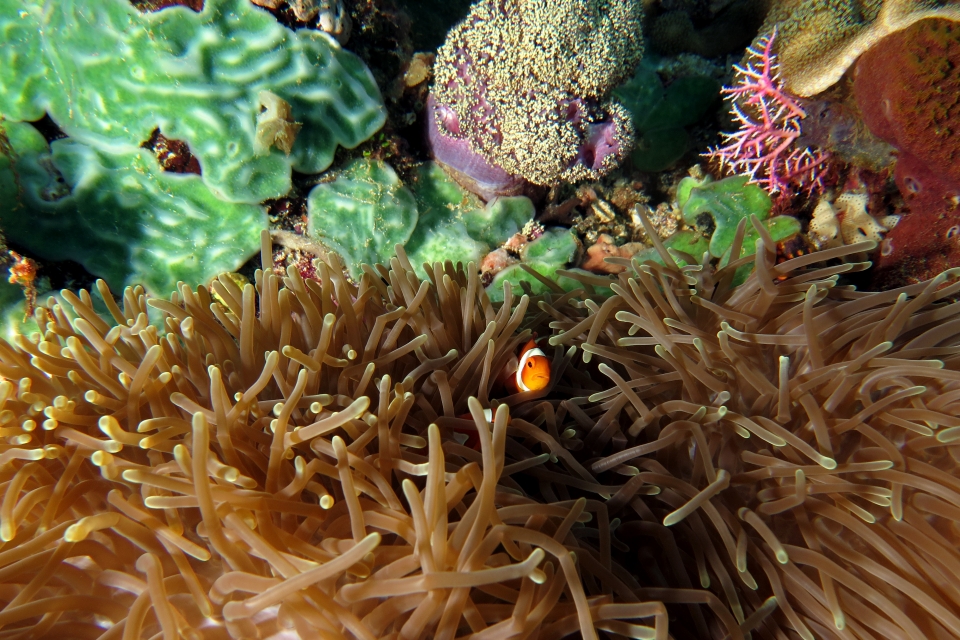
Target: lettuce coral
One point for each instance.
(366, 211)
(362, 214)
(118, 214)
(109, 75)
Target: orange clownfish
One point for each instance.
(529, 372)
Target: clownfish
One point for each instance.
(528, 372)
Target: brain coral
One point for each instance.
(521, 91)
(821, 39)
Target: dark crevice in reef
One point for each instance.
(49, 129)
(173, 155)
(146, 6)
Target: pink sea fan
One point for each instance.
(766, 146)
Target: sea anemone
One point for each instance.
(284, 459)
(801, 435)
(280, 460)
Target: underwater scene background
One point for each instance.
(513, 319)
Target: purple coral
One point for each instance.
(522, 92)
(766, 147)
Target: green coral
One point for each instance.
(109, 75)
(725, 203)
(362, 214)
(118, 214)
(455, 224)
(661, 115)
(554, 250)
(728, 201)
(366, 210)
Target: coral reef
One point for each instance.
(178, 502)
(596, 256)
(539, 262)
(820, 40)
(728, 202)
(362, 214)
(712, 213)
(660, 116)
(766, 146)
(733, 441)
(329, 16)
(433, 19)
(455, 225)
(792, 459)
(226, 97)
(732, 28)
(521, 92)
(847, 220)
(908, 90)
(775, 458)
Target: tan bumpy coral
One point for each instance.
(820, 39)
(289, 459)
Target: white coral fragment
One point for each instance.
(824, 228)
(847, 221)
(857, 224)
(275, 125)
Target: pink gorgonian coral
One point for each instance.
(767, 146)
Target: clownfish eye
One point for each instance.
(529, 364)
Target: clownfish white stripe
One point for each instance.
(529, 353)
